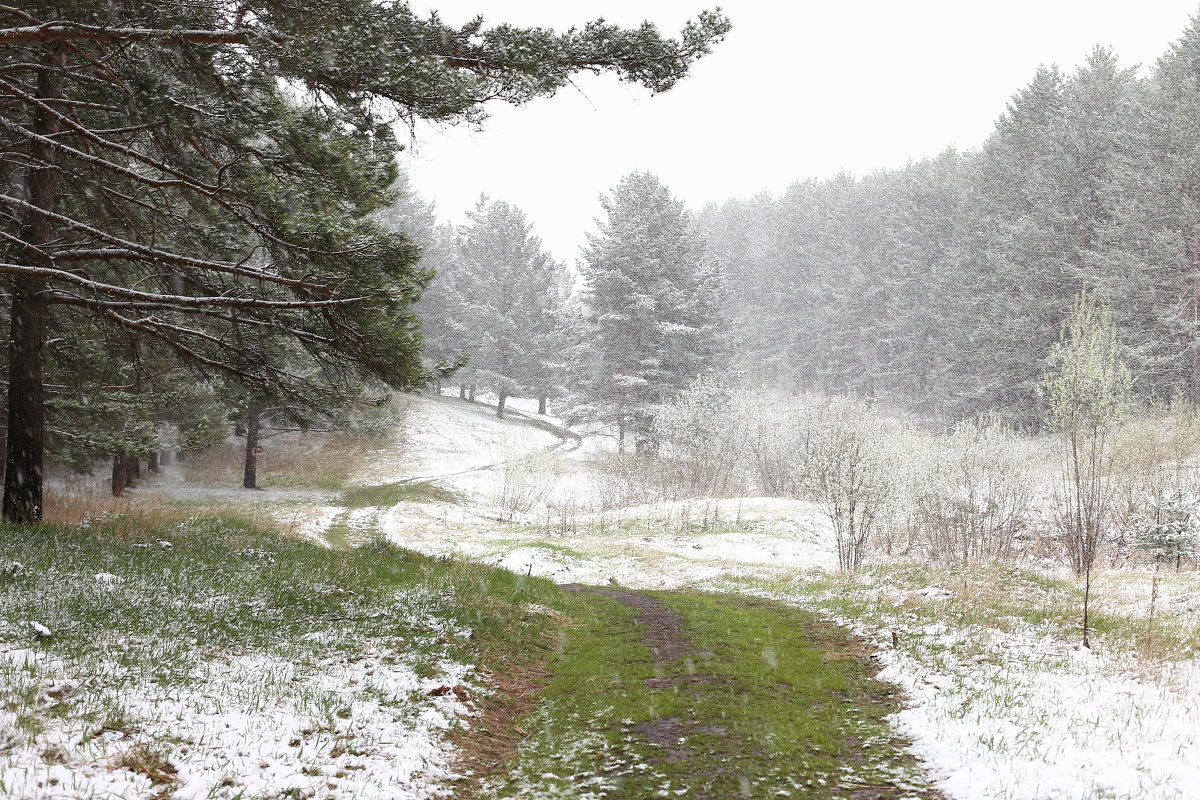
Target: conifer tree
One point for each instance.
(652, 309)
(512, 288)
(177, 166)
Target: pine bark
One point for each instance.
(27, 326)
(500, 405)
(542, 405)
(118, 475)
(250, 473)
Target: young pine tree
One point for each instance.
(511, 287)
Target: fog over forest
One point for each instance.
(879, 486)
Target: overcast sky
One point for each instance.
(798, 90)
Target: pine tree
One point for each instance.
(511, 287)
(171, 185)
(652, 309)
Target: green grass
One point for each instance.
(217, 582)
(1005, 597)
(389, 494)
(128, 606)
(772, 702)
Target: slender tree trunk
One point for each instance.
(135, 469)
(1087, 607)
(27, 324)
(250, 474)
(462, 391)
(164, 458)
(542, 405)
(471, 393)
(152, 462)
(118, 475)
(500, 405)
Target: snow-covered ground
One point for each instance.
(999, 709)
(247, 727)
(1004, 711)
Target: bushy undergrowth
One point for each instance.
(971, 492)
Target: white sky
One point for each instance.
(799, 89)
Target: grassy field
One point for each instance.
(209, 657)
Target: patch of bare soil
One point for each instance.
(662, 628)
(494, 735)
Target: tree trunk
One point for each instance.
(118, 475)
(471, 393)
(500, 405)
(164, 458)
(27, 333)
(462, 391)
(152, 462)
(542, 405)
(131, 470)
(1087, 608)
(135, 469)
(250, 474)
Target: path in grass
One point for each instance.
(662, 694)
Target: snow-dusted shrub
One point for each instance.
(976, 493)
(774, 445)
(848, 464)
(626, 479)
(1153, 453)
(526, 478)
(703, 442)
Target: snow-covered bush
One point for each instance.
(1155, 452)
(975, 495)
(703, 438)
(848, 464)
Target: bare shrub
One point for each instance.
(626, 479)
(976, 493)
(526, 478)
(849, 467)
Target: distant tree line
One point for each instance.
(944, 285)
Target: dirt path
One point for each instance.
(709, 697)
